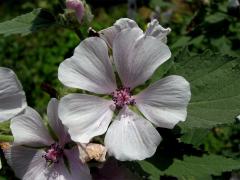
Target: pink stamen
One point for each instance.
(53, 154)
(122, 97)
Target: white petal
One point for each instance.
(86, 116)
(125, 23)
(78, 169)
(110, 33)
(137, 58)
(56, 123)
(12, 96)
(165, 102)
(131, 137)
(89, 68)
(28, 129)
(27, 163)
(156, 30)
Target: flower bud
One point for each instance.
(78, 7)
(92, 151)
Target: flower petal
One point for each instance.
(12, 96)
(56, 123)
(28, 129)
(110, 33)
(131, 137)
(156, 30)
(27, 163)
(137, 57)
(89, 68)
(86, 116)
(78, 169)
(165, 102)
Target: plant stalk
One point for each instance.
(6, 138)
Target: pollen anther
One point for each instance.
(122, 97)
(53, 154)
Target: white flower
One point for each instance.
(136, 56)
(12, 96)
(154, 29)
(36, 155)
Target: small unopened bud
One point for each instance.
(5, 146)
(78, 7)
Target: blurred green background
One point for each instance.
(198, 24)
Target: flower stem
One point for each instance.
(6, 138)
(79, 33)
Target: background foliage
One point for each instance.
(205, 43)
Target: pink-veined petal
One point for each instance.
(28, 129)
(137, 56)
(69, 168)
(89, 68)
(56, 123)
(78, 169)
(131, 137)
(110, 33)
(165, 102)
(85, 116)
(27, 163)
(156, 30)
(12, 96)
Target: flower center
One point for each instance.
(122, 97)
(53, 154)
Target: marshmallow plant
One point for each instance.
(118, 108)
(128, 119)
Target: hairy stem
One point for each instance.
(79, 33)
(6, 138)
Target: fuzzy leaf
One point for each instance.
(214, 81)
(192, 167)
(28, 23)
(194, 136)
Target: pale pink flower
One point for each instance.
(135, 56)
(35, 155)
(78, 7)
(153, 29)
(12, 96)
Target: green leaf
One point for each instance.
(25, 24)
(192, 167)
(5, 127)
(214, 81)
(162, 70)
(215, 18)
(194, 136)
